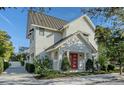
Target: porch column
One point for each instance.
(85, 59)
(52, 57)
(68, 56)
(59, 59)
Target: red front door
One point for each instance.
(74, 60)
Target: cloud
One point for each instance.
(7, 20)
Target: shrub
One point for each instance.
(43, 68)
(47, 63)
(103, 68)
(1, 65)
(6, 65)
(89, 65)
(111, 67)
(65, 64)
(30, 67)
(22, 63)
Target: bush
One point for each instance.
(103, 68)
(6, 65)
(111, 67)
(43, 68)
(30, 67)
(1, 65)
(47, 63)
(22, 63)
(89, 65)
(65, 64)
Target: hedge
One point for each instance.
(1, 65)
(30, 67)
(6, 65)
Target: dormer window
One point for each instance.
(41, 31)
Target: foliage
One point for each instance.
(21, 58)
(110, 46)
(1, 65)
(111, 67)
(102, 57)
(47, 62)
(65, 64)
(103, 68)
(42, 67)
(14, 57)
(116, 48)
(6, 47)
(102, 35)
(30, 67)
(89, 65)
(22, 63)
(6, 65)
(110, 15)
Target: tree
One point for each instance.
(6, 47)
(102, 36)
(116, 48)
(112, 15)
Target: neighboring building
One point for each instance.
(57, 38)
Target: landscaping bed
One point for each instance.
(68, 74)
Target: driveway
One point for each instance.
(16, 75)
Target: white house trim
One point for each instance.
(45, 27)
(67, 39)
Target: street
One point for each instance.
(16, 75)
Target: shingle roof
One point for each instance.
(46, 20)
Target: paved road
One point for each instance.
(16, 75)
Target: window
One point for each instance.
(41, 31)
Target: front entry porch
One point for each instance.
(77, 60)
(76, 48)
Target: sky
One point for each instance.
(14, 22)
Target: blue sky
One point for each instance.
(14, 21)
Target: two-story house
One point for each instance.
(57, 38)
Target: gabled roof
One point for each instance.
(46, 20)
(57, 44)
(86, 18)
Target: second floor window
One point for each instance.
(41, 31)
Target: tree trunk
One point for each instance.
(120, 68)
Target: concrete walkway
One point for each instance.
(16, 75)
